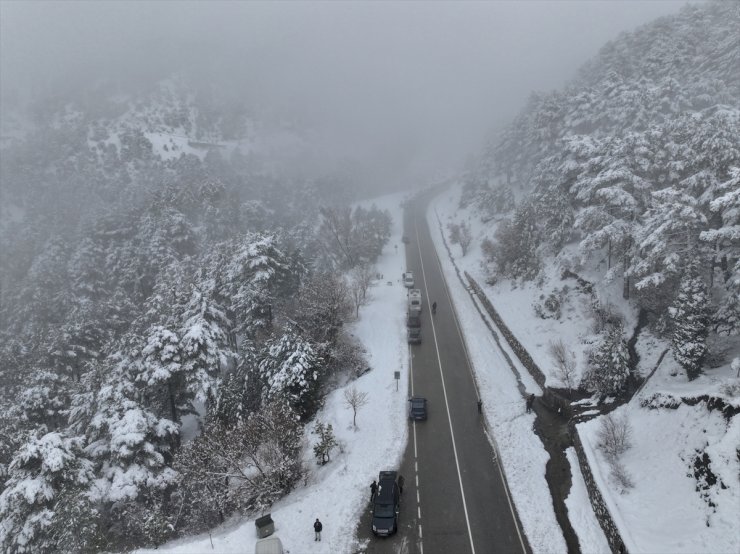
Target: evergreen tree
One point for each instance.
(515, 254)
(690, 322)
(608, 363)
(46, 470)
(291, 371)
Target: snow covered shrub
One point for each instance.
(347, 355)
(604, 316)
(550, 306)
(245, 467)
(144, 521)
(608, 363)
(620, 476)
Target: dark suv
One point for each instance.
(386, 505)
(418, 408)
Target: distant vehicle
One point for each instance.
(414, 301)
(413, 335)
(408, 280)
(417, 408)
(386, 505)
(406, 240)
(413, 321)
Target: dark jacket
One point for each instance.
(317, 526)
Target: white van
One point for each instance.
(408, 280)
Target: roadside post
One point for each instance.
(397, 375)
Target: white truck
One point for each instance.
(414, 302)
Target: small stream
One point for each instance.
(552, 429)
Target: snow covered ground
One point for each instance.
(337, 492)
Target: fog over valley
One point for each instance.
(408, 89)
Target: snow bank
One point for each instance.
(664, 512)
(580, 514)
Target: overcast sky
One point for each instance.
(421, 80)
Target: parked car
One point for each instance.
(386, 505)
(413, 335)
(408, 279)
(418, 408)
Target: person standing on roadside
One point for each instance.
(373, 490)
(530, 402)
(317, 527)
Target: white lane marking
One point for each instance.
(490, 437)
(418, 511)
(413, 426)
(444, 392)
(416, 462)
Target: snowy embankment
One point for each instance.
(668, 510)
(338, 492)
(522, 454)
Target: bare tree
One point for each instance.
(354, 399)
(359, 281)
(336, 226)
(460, 234)
(363, 276)
(356, 293)
(565, 363)
(614, 436)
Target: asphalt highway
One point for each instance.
(454, 500)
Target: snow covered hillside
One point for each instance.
(682, 463)
(337, 492)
